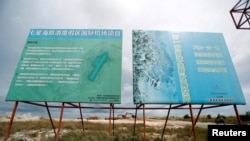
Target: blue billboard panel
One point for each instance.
(183, 67)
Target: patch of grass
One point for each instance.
(33, 135)
(72, 131)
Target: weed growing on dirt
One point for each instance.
(73, 131)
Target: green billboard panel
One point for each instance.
(69, 65)
(183, 67)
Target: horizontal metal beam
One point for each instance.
(177, 106)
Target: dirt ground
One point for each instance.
(148, 122)
(158, 123)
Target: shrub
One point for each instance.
(186, 116)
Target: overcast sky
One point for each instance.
(18, 17)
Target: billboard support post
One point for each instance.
(237, 114)
(144, 121)
(11, 121)
(193, 123)
(51, 121)
(83, 129)
(143, 118)
(135, 119)
(198, 115)
(164, 128)
(113, 108)
(136, 107)
(196, 119)
(60, 122)
(111, 117)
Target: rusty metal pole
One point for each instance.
(144, 122)
(11, 121)
(51, 121)
(164, 128)
(59, 123)
(135, 116)
(83, 129)
(198, 115)
(113, 109)
(193, 124)
(196, 119)
(110, 121)
(237, 114)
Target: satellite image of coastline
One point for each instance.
(154, 68)
(183, 67)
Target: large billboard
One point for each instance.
(183, 67)
(69, 65)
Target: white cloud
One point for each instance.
(127, 97)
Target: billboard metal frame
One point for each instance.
(62, 107)
(181, 106)
(112, 108)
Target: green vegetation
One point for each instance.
(209, 118)
(72, 131)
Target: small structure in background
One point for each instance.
(220, 119)
(122, 116)
(241, 14)
(125, 116)
(93, 118)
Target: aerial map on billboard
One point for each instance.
(183, 67)
(69, 65)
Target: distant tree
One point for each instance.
(209, 116)
(220, 119)
(186, 116)
(245, 117)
